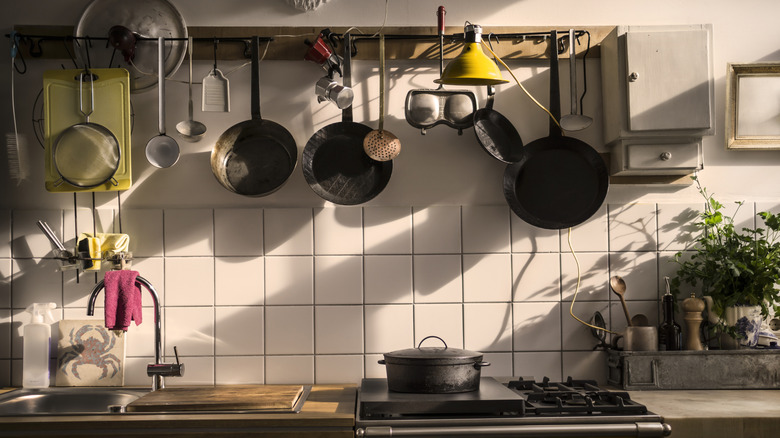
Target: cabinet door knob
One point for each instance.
(665, 156)
(633, 76)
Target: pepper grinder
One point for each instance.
(693, 307)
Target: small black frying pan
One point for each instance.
(558, 182)
(496, 134)
(335, 164)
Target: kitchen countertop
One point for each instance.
(328, 412)
(716, 413)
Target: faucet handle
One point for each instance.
(166, 369)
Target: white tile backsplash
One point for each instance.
(6, 276)
(36, 281)
(239, 281)
(437, 230)
(190, 329)
(538, 364)
(632, 227)
(487, 326)
(437, 279)
(388, 279)
(289, 231)
(289, 330)
(189, 281)
(387, 230)
(338, 231)
(528, 238)
(537, 326)
(338, 280)
(303, 295)
(239, 370)
(442, 320)
(5, 233)
(339, 329)
(28, 240)
(536, 277)
(289, 369)
(389, 328)
(145, 228)
(591, 235)
(487, 277)
(593, 276)
(289, 280)
(640, 272)
(238, 330)
(189, 232)
(238, 232)
(338, 369)
(486, 229)
(676, 226)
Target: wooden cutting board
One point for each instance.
(277, 398)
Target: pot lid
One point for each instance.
(440, 354)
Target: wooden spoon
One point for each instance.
(618, 286)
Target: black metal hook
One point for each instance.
(216, 42)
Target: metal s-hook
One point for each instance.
(16, 52)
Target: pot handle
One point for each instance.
(381, 362)
(479, 365)
(432, 336)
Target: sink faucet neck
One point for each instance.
(157, 379)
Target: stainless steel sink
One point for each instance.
(67, 401)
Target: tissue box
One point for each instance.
(89, 354)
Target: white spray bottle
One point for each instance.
(37, 338)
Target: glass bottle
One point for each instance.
(669, 332)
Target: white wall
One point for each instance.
(439, 169)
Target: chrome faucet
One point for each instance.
(158, 369)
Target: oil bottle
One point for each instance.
(669, 332)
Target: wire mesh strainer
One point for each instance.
(379, 144)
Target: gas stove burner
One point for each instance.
(574, 397)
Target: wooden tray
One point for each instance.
(265, 398)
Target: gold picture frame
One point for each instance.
(753, 106)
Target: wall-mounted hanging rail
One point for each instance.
(402, 43)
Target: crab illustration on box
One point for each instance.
(89, 354)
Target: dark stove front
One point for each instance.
(519, 408)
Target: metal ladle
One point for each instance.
(574, 121)
(618, 286)
(162, 151)
(191, 130)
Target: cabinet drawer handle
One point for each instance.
(665, 156)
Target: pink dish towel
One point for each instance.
(123, 299)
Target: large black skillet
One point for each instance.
(558, 182)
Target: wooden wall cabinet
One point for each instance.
(658, 97)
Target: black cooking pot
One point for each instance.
(433, 370)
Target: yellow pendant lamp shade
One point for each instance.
(472, 66)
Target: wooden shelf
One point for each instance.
(289, 45)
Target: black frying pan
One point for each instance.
(334, 162)
(558, 182)
(496, 134)
(257, 156)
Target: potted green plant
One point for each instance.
(738, 269)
